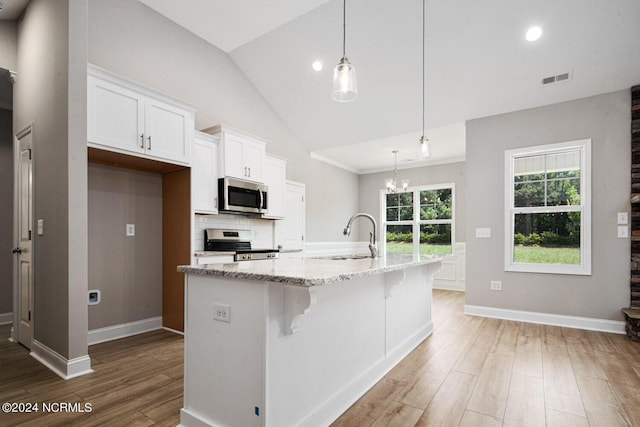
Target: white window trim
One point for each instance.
(585, 218)
(415, 223)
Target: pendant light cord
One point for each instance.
(344, 26)
(423, 62)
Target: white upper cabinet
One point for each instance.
(240, 155)
(130, 119)
(275, 171)
(204, 173)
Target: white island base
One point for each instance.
(295, 355)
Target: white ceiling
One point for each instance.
(11, 9)
(230, 24)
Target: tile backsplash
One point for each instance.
(262, 229)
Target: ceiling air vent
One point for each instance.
(555, 79)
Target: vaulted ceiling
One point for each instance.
(478, 63)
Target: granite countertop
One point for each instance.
(310, 271)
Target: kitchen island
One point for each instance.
(296, 341)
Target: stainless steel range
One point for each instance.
(236, 241)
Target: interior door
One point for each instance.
(24, 168)
(289, 231)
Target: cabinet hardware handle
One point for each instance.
(142, 140)
(16, 251)
(245, 171)
(249, 171)
(149, 139)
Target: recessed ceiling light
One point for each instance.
(317, 65)
(533, 34)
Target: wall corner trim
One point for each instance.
(63, 367)
(587, 323)
(124, 330)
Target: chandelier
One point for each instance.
(392, 184)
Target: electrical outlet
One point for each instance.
(483, 233)
(496, 285)
(131, 230)
(222, 312)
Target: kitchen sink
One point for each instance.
(344, 257)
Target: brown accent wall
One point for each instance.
(176, 245)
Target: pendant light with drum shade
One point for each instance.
(345, 88)
(425, 150)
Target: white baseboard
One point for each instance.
(190, 419)
(173, 330)
(448, 285)
(587, 323)
(6, 318)
(63, 367)
(123, 330)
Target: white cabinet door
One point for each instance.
(204, 173)
(233, 158)
(275, 171)
(115, 116)
(254, 153)
(167, 131)
(289, 232)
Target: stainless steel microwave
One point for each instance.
(238, 196)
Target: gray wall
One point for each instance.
(8, 45)
(51, 93)
(127, 270)
(605, 119)
(371, 184)
(174, 61)
(6, 211)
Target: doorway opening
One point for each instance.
(6, 197)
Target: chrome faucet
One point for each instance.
(373, 243)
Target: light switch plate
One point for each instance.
(483, 233)
(131, 229)
(623, 231)
(623, 218)
(41, 227)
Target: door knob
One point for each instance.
(16, 250)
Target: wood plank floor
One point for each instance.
(137, 381)
(472, 371)
(476, 371)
